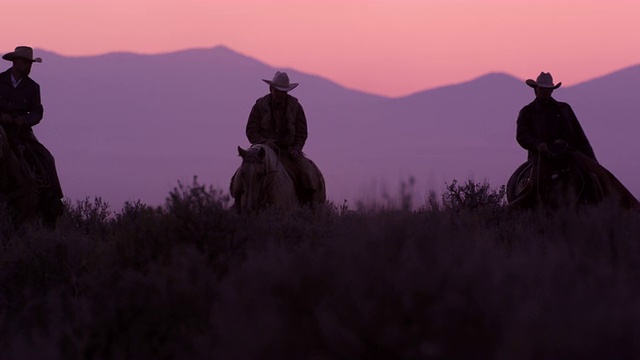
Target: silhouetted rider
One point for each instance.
(21, 109)
(278, 120)
(545, 121)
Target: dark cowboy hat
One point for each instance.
(22, 52)
(281, 82)
(544, 80)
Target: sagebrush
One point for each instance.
(458, 278)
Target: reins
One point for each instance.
(565, 170)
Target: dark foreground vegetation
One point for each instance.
(459, 278)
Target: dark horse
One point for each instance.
(21, 184)
(262, 180)
(563, 178)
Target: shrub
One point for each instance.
(90, 217)
(193, 279)
(472, 195)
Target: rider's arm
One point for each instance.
(301, 129)
(525, 133)
(35, 111)
(253, 126)
(29, 111)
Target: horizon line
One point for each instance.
(311, 73)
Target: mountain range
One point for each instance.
(126, 127)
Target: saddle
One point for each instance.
(562, 169)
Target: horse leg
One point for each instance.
(51, 208)
(235, 189)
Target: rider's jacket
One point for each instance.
(545, 123)
(22, 100)
(285, 126)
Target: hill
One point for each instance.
(126, 126)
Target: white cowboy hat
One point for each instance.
(22, 52)
(544, 80)
(281, 82)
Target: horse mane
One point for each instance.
(260, 153)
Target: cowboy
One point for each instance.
(20, 110)
(547, 129)
(558, 147)
(545, 122)
(278, 120)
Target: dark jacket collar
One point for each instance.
(538, 106)
(289, 104)
(5, 77)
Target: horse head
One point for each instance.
(256, 178)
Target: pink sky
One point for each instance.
(389, 47)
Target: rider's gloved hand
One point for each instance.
(294, 153)
(269, 142)
(543, 148)
(6, 119)
(560, 142)
(19, 121)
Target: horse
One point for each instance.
(262, 180)
(565, 178)
(20, 188)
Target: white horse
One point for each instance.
(261, 180)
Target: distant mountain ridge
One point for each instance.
(126, 126)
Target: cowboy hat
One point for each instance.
(544, 80)
(22, 52)
(281, 82)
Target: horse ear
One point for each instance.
(262, 153)
(242, 152)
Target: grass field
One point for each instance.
(454, 279)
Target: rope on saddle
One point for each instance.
(580, 190)
(32, 168)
